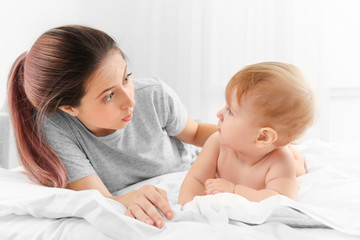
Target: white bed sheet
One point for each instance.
(328, 207)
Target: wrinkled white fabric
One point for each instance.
(328, 206)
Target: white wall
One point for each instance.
(197, 45)
(21, 22)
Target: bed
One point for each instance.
(328, 207)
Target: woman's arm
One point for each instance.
(141, 204)
(203, 168)
(196, 133)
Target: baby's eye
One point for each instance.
(228, 110)
(108, 97)
(126, 78)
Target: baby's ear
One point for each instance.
(266, 137)
(69, 109)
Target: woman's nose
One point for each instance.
(127, 100)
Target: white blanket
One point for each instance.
(328, 207)
(329, 196)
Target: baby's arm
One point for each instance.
(203, 168)
(280, 179)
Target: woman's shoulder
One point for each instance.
(147, 83)
(153, 87)
(60, 121)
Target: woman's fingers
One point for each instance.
(143, 205)
(140, 213)
(129, 213)
(163, 193)
(158, 198)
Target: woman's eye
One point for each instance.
(108, 97)
(126, 79)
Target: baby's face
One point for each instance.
(237, 129)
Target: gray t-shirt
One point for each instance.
(141, 150)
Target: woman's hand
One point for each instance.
(218, 185)
(141, 204)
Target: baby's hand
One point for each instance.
(218, 185)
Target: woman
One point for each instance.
(72, 104)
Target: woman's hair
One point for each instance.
(53, 73)
(282, 98)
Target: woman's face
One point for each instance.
(108, 102)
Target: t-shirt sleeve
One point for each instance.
(175, 113)
(68, 150)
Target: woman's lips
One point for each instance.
(128, 118)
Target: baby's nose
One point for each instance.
(220, 114)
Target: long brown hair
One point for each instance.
(52, 74)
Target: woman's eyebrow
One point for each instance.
(105, 90)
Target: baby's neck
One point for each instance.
(255, 157)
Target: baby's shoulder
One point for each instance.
(282, 155)
(214, 142)
(213, 139)
(282, 164)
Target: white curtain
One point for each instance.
(196, 46)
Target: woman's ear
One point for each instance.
(70, 110)
(266, 137)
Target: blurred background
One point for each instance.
(196, 46)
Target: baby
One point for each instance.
(268, 106)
